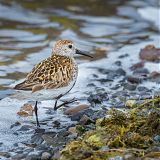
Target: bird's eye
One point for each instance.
(70, 46)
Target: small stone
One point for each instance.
(123, 55)
(56, 123)
(137, 65)
(26, 110)
(134, 79)
(85, 120)
(142, 88)
(72, 111)
(150, 53)
(120, 72)
(15, 124)
(157, 138)
(33, 157)
(130, 103)
(72, 130)
(18, 156)
(97, 98)
(45, 156)
(25, 128)
(118, 63)
(129, 86)
(141, 71)
(5, 154)
(155, 77)
(37, 139)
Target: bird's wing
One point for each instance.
(54, 72)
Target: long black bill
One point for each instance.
(82, 53)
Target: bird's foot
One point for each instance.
(64, 103)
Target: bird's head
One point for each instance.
(67, 48)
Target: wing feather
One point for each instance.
(54, 72)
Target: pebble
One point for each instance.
(5, 154)
(129, 86)
(45, 156)
(157, 138)
(150, 53)
(134, 79)
(15, 124)
(97, 98)
(85, 120)
(137, 65)
(18, 156)
(72, 111)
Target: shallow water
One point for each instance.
(106, 29)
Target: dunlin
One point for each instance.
(53, 77)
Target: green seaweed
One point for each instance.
(124, 133)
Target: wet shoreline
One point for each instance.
(119, 38)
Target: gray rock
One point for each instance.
(157, 138)
(97, 98)
(5, 154)
(36, 139)
(19, 156)
(45, 156)
(33, 157)
(15, 124)
(129, 86)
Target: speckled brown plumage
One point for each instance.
(53, 72)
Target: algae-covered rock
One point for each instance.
(125, 134)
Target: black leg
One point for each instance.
(61, 95)
(36, 110)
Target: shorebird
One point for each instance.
(53, 77)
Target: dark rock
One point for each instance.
(155, 77)
(98, 98)
(15, 124)
(39, 130)
(150, 53)
(91, 85)
(129, 86)
(116, 87)
(37, 139)
(25, 128)
(142, 88)
(28, 150)
(77, 116)
(123, 56)
(1, 143)
(5, 154)
(118, 63)
(115, 74)
(18, 156)
(141, 71)
(157, 138)
(72, 111)
(85, 120)
(104, 71)
(56, 123)
(33, 157)
(104, 80)
(94, 115)
(134, 79)
(120, 72)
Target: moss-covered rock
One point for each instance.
(124, 133)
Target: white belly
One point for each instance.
(45, 94)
